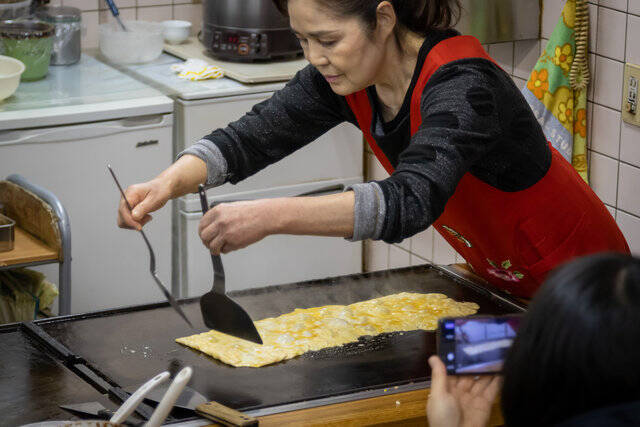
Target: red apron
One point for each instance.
(511, 239)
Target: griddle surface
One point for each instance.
(32, 384)
(131, 347)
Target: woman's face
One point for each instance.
(339, 47)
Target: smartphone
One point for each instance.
(476, 344)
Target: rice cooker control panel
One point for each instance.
(241, 44)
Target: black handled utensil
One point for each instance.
(116, 13)
(220, 312)
(152, 259)
(89, 409)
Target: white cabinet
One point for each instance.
(274, 260)
(333, 161)
(110, 266)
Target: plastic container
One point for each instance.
(12, 9)
(10, 71)
(143, 42)
(30, 42)
(68, 33)
(176, 32)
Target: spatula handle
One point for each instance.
(136, 398)
(169, 399)
(218, 269)
(203, 199)
(225, 415)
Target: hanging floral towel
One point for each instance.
(557, 87)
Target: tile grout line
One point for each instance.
(593, 83)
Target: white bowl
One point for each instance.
(176, 32)
(142, 42)
(10, 71)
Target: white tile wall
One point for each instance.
(614, 146)
(630, 226)
(628, 195)
(615, 4)
(155, 13)
(526, 54)
(503, 55)
(633, 39)
(630, 144)
(608, 82)
(95, 12)
(399, 257)
(611, 43)
(617, 31)
(605, 134)
(376, 255)
(593, 14)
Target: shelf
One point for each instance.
(27, 249)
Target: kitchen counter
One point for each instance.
(158, 74)
(88, 91)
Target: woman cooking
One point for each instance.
(463, 150)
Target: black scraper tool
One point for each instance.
(220, 312)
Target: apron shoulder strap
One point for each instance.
(359, 104)
(449, 50)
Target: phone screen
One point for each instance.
(476, 345)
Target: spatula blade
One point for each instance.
(225, 315)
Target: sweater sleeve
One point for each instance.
(461, 122)
(294, 116)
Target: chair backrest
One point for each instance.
(32, 214)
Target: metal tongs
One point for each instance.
(152, 258)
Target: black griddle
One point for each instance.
(33, 383)
(128, 346)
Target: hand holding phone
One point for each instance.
(476, 345)
(454, 400)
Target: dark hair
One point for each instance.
(578, 348)
(419, 16)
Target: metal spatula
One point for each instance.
(152, 258)
(220, 312)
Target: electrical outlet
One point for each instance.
(630, 95)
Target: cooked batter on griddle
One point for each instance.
(303, 330)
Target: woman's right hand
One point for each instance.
(180, 178)
(144, 198)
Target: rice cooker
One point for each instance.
(247, 30)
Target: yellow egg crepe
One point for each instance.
(293, 334)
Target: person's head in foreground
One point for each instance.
(575, 360)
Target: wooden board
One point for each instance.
(400, 409)
(241, 71)
(27, 249)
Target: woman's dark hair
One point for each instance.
(418, 16)
(578, 348)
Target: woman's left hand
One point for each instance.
(231, 226)
(460, 400)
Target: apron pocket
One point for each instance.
(543, 243)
